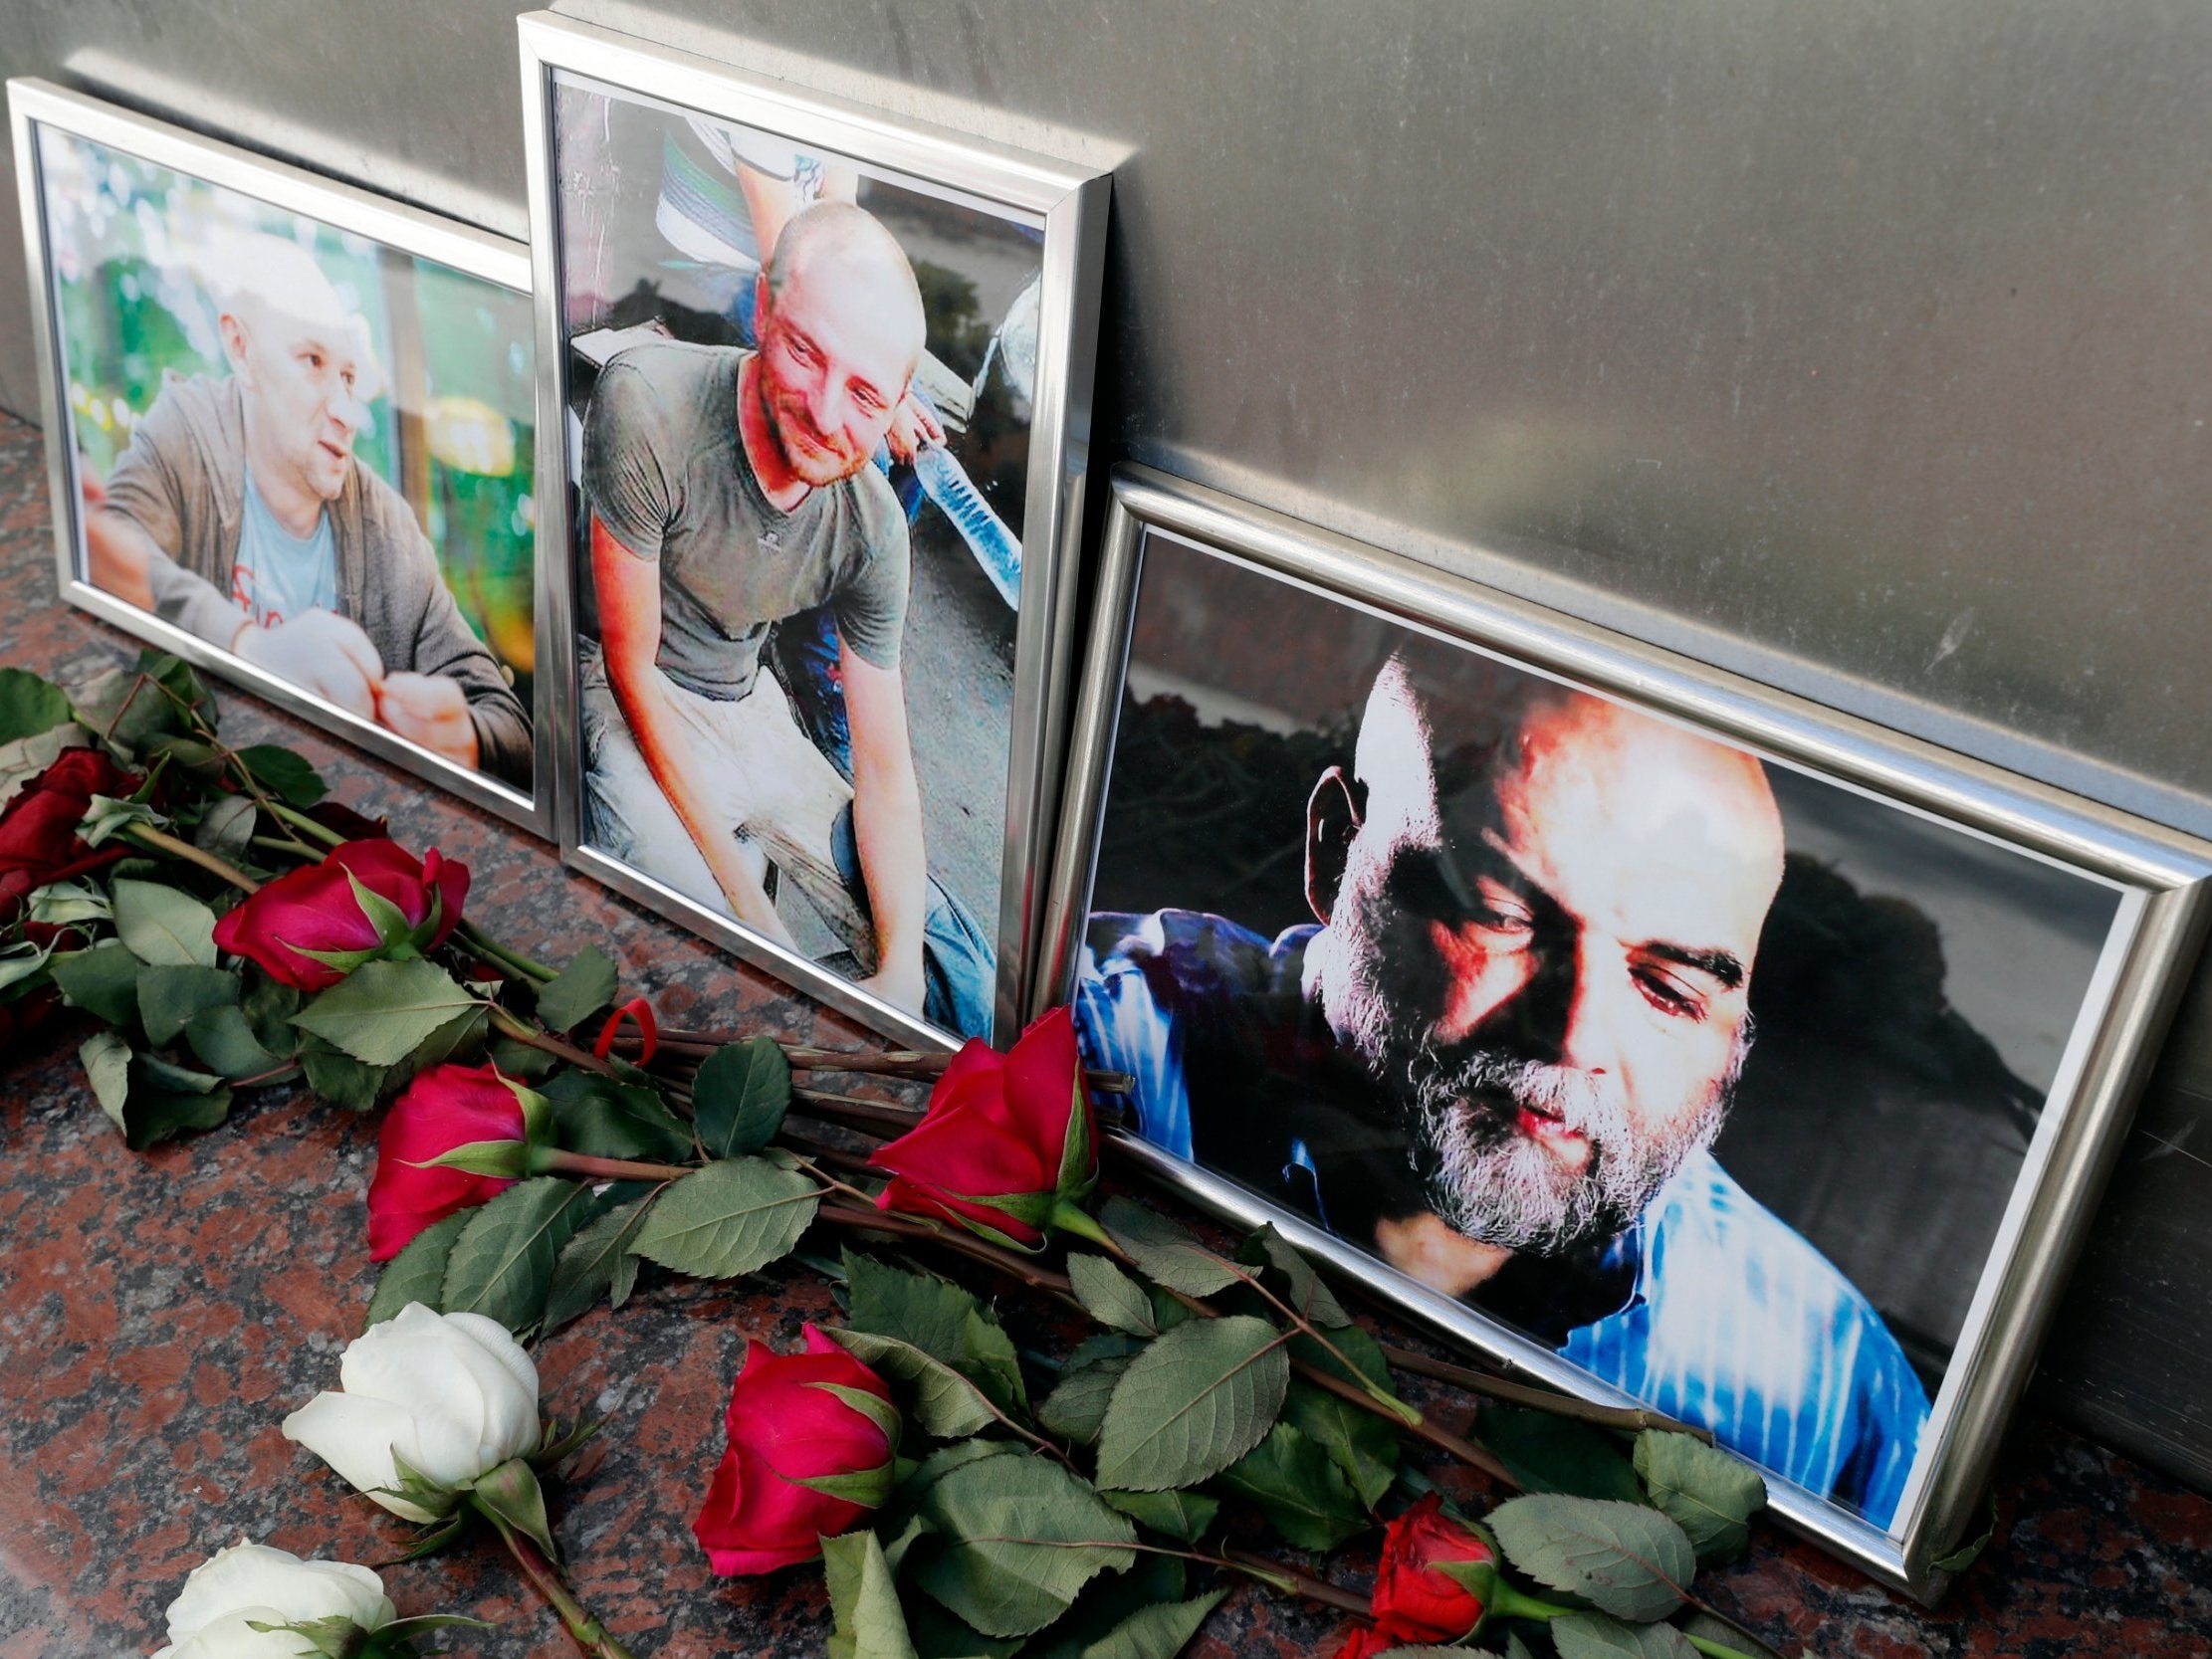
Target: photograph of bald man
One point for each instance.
(1498, 1055)
(240, 512)
(725, 490)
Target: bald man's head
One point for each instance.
(1542, 910)
(303, 360)
(841, 327)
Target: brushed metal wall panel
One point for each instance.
(1861, 348)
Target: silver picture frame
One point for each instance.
(2158, 925)
(1066, 205)
(37, 106)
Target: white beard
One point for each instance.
(1481, 1174)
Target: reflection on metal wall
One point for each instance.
(1860, 347)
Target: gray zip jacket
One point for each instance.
(183, 481)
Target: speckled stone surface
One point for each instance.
(160, 1314)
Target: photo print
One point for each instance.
(306, 450)
(807, 393)
(1711, 1075)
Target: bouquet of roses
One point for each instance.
(546, 1148)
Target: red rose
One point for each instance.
(444, 1108)
(1412, 1598)
(316, 908)
(1365, 1641)
(39, 842)
(810, 1441)
(1005, 1139)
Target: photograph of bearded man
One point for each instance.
(1499, 1054)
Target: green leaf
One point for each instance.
(938, 1399)
(168, 997)
(595, 1263)
(103, 982)
(580, 990)
(1194, 1402)
(1300, 1490)
(146, 1098)
(1711, 1494)
(417, 1273)
(502, 1261)
(105, 818)
(1720, 1630)
(1596, 1636)
(1076, 1407)
(863, 1600)
(60, 903)
(1008, 1523)
(1628, 1561)
(1184, 1515)
(1358, 1442)
(1965, 1554)
(163, 927)
(342, 1080)
(1156, 1632)
(107, 1061)
(1545, 1452)
(1165, 1251)
(381, 1011)
(1110, 1296)
(601, 1118)
(225, 1043)
(268, 1005)
(939, 1636)
(510, 1491)
(739, 1097)
(519, 1060)
(130, 708)
(1306, 1291)
(29, 705)
(284, 775)
(940, 1318)
(226, 828)
(728, 1218)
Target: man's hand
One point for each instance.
(430, 709)
(320, 652)
(115, 548)
(912, 426)
(901, 986)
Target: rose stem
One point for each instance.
(1045, 1279)
(1303, 1584)
(894, 1063)
(1711, 1649)
(589, 1635)
(864, 1115)
(509, 1026)
(147, 836)
(1631, 1418)
(499, 955)
(553, 1161)
(299, 821)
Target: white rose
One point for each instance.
(234, 1590)
(452, 1394)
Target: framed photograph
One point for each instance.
(290, 432)
(1656, 1034)
(823, 383)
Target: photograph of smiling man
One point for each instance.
(803, 389)
(305, 448)
(1628, 1038)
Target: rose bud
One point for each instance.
(39, 842)
(446, 1107)
(810, 1442)
(1008, 1145)
(234, 1590)
(319, 911)
(1365, 1641)
(453, 1395)
(1413, 1595)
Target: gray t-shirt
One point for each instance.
(666, 472)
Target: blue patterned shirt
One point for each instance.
(1724, 1314)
